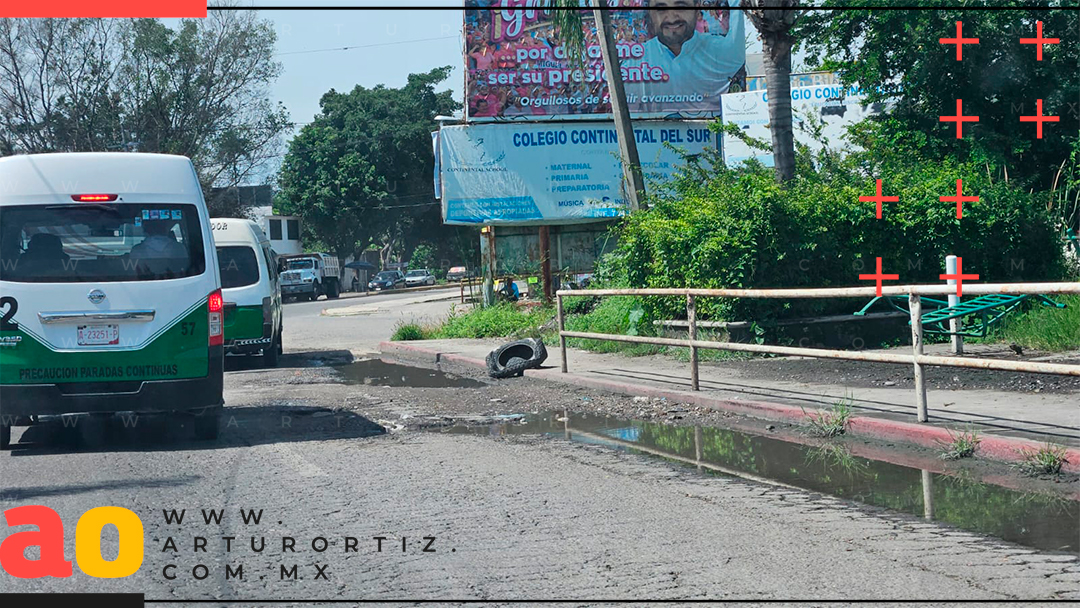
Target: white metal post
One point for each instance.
(955, 324)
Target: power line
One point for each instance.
(367, 46)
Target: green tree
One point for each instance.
(774, 20)
(360, 173)
(199, 89)
(896, 56)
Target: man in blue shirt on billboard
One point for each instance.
(698, 67)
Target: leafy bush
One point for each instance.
(715, 227)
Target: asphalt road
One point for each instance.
(510, 517)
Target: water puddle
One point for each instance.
(374, 372)
(1042, 521)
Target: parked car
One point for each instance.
(387, 279)
(419, 278)
(456, 273)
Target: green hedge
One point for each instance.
(716, 227)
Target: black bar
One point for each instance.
(66, 600)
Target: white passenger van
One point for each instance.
(249, 284)
(110, 295)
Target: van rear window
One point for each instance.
(239, 267)
(94, 243)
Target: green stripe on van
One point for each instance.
(181, 351)
(243, 322)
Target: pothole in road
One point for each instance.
(1042, 520)
(375, 372)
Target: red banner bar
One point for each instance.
(102, 8)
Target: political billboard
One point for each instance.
(833, 107)
(675, 62)
(553, 173)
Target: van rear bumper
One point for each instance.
(148, 396)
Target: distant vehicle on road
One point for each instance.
(419, 278)
(310, 275)
(250, 286)
(456, 273)
(387, 279)
(110, 291)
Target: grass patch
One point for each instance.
(1043, 327)
(1047, 460)
(960, 445)
(500, 321)
(831, 422)
(404, 332)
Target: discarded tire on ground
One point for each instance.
(514, 358)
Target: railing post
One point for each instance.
(562, 327)
(915, 306)
(955, 323)
(691, 315)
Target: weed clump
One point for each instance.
(832, 422)
(1047, 460)
(960, 445)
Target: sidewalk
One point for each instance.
(1036, 409)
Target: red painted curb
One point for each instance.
(994, 447)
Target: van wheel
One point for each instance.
(206, 424)
(270, 353)
(5, 436)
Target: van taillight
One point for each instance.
(216, 304)
(94, 198)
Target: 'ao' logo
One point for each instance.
(50, 538)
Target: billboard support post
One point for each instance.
(489, 268)
(545, 261)
(634, 180)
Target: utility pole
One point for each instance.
(628, 152)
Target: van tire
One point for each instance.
(5, 436)
(206, 424)
(271, 352)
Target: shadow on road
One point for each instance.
(238, 427)
(142, 483)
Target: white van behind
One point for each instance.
(249, 284)
(110, 294)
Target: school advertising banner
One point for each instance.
(552, 173)
(833, 107)
(673, 62)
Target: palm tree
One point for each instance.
(774, 20)
(569, 23)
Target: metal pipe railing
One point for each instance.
(914, 292)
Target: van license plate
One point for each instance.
(97, 335)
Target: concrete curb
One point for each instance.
(994, 447)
